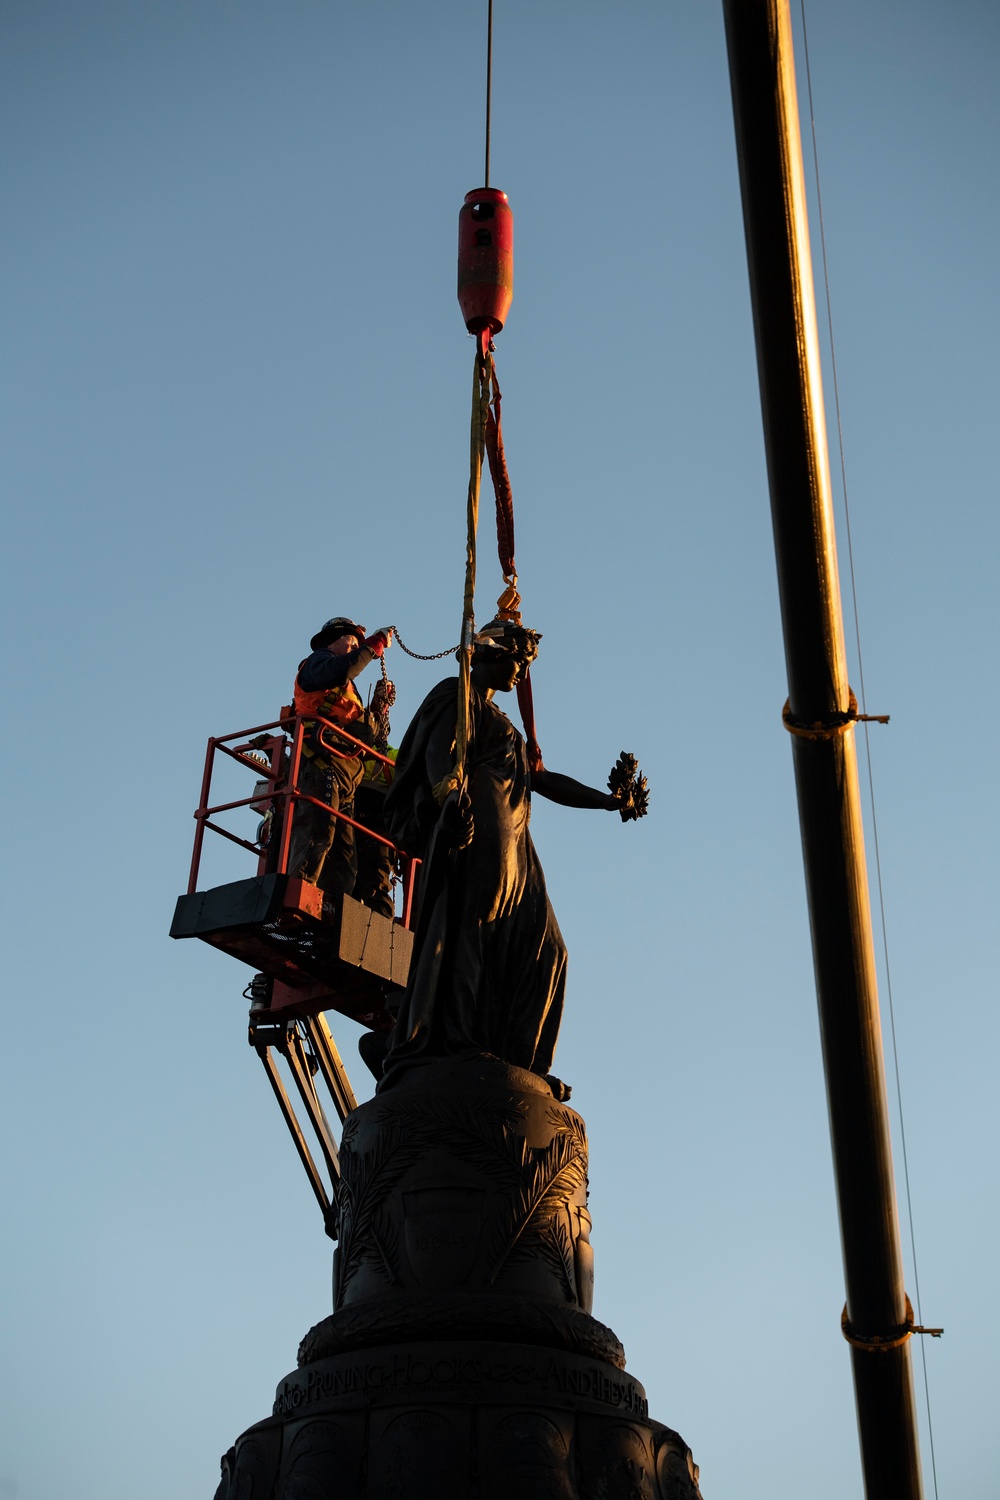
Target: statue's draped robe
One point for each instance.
(489, 968)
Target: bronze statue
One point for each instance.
(489, 968)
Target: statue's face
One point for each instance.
(510, 671)
(499, 671)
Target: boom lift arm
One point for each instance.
(313, 951)
(310, 1051)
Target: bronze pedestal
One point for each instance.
(461, 1359)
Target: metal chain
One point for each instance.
(435, 656)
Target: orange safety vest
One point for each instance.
(342, 705)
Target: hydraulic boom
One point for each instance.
(820, 714)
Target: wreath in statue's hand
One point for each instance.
(629, 788)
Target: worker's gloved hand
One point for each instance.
(378, 642)
(383, 697)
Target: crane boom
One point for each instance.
(821, 712)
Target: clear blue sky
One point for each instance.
(236, 389)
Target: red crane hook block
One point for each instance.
(485, 260)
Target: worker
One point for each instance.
(322, 847)
(376, 860)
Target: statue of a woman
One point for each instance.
(488, 973)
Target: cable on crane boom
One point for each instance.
(489, 87)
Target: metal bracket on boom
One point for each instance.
(310, 1052)
(881, 1343)
(828, 729)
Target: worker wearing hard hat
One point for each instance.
(322, 847)
(376, 860)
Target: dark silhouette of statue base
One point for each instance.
(461, 1361)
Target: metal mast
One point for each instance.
(820, 714)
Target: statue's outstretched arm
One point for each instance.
(629, 793)
(570, 793)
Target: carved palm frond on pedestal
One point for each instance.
(548, 1177)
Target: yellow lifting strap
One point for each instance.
(482, 372)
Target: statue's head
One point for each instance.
(503, 637)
